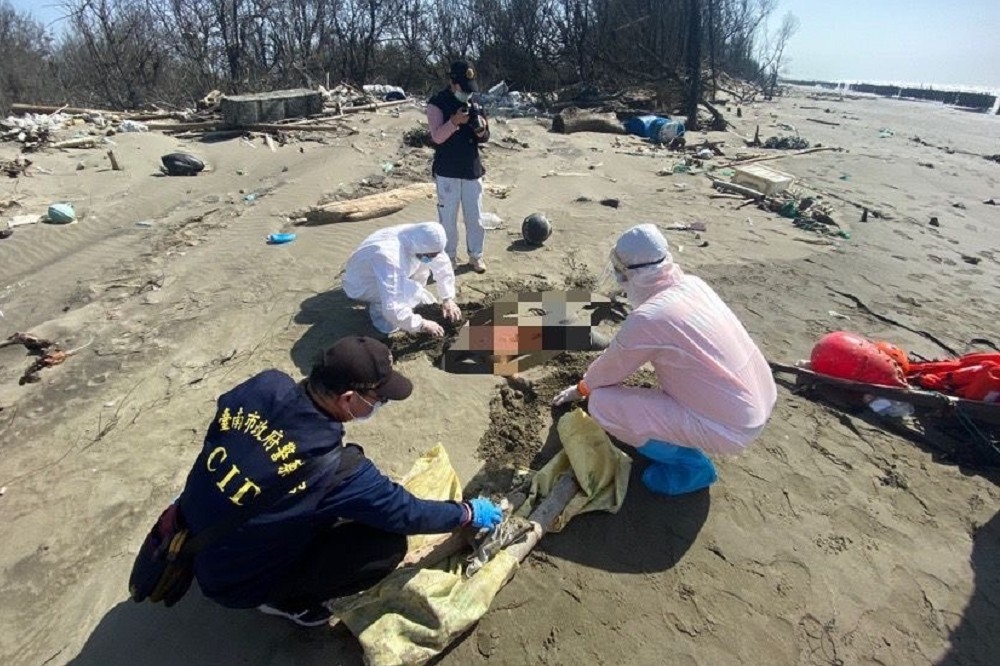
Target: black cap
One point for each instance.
(464, 75)
(358, 363)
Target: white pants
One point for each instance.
(469, 193)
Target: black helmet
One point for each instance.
(536, 229)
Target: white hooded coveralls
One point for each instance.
(385, 272)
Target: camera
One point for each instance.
(475, 116)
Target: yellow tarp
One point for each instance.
(414, 614)
(601, 469)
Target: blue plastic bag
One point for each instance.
(278, 239)
(676, 470)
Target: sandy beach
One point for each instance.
(832, 541)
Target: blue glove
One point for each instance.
(485, 513)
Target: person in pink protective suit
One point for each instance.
(390, 271)
(716, 391)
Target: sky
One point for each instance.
(908, 41)
(941, 42)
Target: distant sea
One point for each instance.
(866, 85)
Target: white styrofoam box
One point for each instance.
(763, 179)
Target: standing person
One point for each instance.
(457, 128)
(390, 271)
(715, 392)
(342, 528)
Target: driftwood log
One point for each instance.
(366, 208)
(576, 120)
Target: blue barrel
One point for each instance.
(644, 125)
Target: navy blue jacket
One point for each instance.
(263, 432)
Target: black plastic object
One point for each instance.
(182, 164)
(536, 229)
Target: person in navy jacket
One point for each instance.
(343, 526)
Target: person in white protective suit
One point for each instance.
(390, 270)
(715, 392)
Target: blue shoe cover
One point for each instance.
(676, 470)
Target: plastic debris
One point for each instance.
(490, 221)
(279, 239)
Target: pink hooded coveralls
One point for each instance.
(716, 391)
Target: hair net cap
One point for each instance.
(642, 244)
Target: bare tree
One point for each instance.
(24, 52)
(772, 57)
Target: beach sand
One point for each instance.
(831, 541)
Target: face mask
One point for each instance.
(367, 417)
(462, 96)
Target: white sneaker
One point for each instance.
(477, 264)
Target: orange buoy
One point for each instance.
(850, 356)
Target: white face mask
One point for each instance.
(367, 417)
(462, 96)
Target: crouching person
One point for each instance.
(304, 517)
(390, 271)
(715, 390)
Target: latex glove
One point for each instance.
(485, 514)
(432, 327)
(571, 394)
(450, 310)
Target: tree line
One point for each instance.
(134, 53)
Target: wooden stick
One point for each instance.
(182, 127)
(544, 516)
(35, 108)
(114, 161)
(373, 107)
(822, 122)
(778, 157)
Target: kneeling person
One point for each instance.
(390, 271)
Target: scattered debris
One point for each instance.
(970, 260)
(611, 203)
(991, 202)
(786, 143)
(934, 222)
(15, 167)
